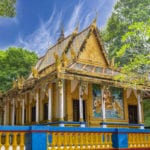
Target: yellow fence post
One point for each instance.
(129, 140)
(54, 140)
(110, 139)
(101, 139)
(59, 140)
(7, 141)
(86, 141)
(65, 140)
(14, 144)
(76, 140)
(22, 134)
(70, 140)
(96, 140)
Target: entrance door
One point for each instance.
(132, 112)
(76, 110)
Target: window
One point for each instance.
(45, 109)
(33, 113)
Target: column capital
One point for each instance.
(60, 83)
(83, 86)
(49, 85)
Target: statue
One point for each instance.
(20, 82)
(58, 62)
(35, 72)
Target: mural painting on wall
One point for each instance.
(97, 101)
(113, 98)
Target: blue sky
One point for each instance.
(38, 22)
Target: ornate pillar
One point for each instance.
(23, 111)
(103, 108)
(13, 113)
(139, 110)
(81, 102)
(37, 106)
(82, 88)
(61, 100)
(50, 103)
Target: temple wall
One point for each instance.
(71, 94)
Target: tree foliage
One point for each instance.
(135, 51)
(127, 38)
(15, 62)
(7, 8)
(126, 13)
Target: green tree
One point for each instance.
(15, 62)
(126, 13)
(135, 50)
(7, 8)
(127, 38)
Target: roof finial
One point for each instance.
(61, 37)
(76, 29)
(93, 25)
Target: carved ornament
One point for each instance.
(35, 72)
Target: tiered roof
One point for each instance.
(79, 54)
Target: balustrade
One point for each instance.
(139, 140)
(79, 140)
(12, 140)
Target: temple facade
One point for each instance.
(73, 85)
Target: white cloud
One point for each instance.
(48, 31)
(75, 17)
(42, 37)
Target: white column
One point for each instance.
(37, 107)
(103, 109)
(61, 101)
(13, 113)
(80, 103)
(23, 111)
(139, 110)
(49, 103)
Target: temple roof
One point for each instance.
(73, 41)
(79, 55)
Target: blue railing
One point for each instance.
(47, 137)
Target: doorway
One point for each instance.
(76, 110)
(132, 113)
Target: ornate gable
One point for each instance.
(93, 52)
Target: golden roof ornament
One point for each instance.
(57, 62)
(76, 30)
(20, 82)
(14, 84)
(64, 59)
(62, 35)
(35, 72)
(94, 23)
(73, 54)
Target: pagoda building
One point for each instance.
(73, 85)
